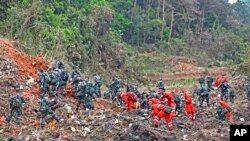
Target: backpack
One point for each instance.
(167, 110)
(17, 102)
(64, 76)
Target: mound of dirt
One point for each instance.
(27, 65)
(181, 63)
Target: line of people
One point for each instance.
(162, 104)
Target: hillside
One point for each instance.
(139, 41)
(92, 125)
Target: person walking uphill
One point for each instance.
(64, 76)
(98, 84)
(55, 79)
(44, 83)
(16, 104)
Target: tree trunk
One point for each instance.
(158, 8)
(163, 19)
(171, 26)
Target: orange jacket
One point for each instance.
(170, 97)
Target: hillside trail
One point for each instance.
(92, 125)
(185, 68)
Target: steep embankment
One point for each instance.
(26, 65)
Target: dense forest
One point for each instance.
(129, 36)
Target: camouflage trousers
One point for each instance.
(44, 90)
(202, 98)
(44, 115)
(81, 101)
(209, 85)
(178, 108)
(15, 112)
(98, 92)
(232, 96)
(62, 88)
(89, 103)
(224, 95)
(54, 89)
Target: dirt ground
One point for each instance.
(108, 121)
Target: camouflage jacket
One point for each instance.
(16, 101)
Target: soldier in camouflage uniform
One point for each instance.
(75, 72)
(98, 84)
(160, 84)
(90, 95)
(232, 94)
(44, 83)
(16, 103)
(204, 95)
(210, 81)
(117, 86)
(80, 95)
(63, 81)
(202, 80)
(55, 79)
(220, 113)
(178, 103)
(75, 79)
(110, 93)
(248, 91)
(47, 108)
(143, 100)
(224, 90)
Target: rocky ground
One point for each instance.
(108, 121)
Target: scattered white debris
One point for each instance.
(36, 134)
(130, 124)
(87, 129)
(242, 119)
(73, 129)
(73, 117)
(116, 121)
(69, 108)
(185, 137)
(102, 117)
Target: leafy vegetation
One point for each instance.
(108, 36)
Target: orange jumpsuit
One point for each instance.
(158, 113)
(130, 98)
(190, 110)
(170, 97)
